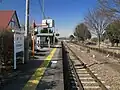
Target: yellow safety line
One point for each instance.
(34, 80)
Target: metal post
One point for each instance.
(27, 18)
(54, 37)
(43, 9)
(23, 49)
(14, 52)
(33, 43)
(26, 48)
(48, 38)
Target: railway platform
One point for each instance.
(45, 72)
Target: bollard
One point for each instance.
(88, 50)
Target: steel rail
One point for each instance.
(88, 70)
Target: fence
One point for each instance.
(101, 50)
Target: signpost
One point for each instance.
(18, 45)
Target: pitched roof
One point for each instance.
(5, 17)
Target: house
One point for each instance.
(12, 44)
(9, 20)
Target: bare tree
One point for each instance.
(96, 22)
(111, 8)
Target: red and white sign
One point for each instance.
(48, 22)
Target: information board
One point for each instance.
(19, 41)
(18, 44)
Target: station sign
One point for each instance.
(18, 44)
(49, 22)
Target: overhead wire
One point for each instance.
(42, 8)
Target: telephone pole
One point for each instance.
(26, 48)
(43, 9)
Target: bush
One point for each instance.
(95, 39)
(6, 46)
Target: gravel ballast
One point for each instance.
(108, 68)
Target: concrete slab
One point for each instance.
(53, 77)
(18, 81)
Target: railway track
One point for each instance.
(81, 76)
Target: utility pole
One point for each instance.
(26, 48)
(43, 9)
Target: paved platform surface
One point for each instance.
(52, 78)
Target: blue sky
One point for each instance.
(66, 13)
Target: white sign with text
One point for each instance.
(18, 44)
(19, 41)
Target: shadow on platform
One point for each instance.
(25, 72)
